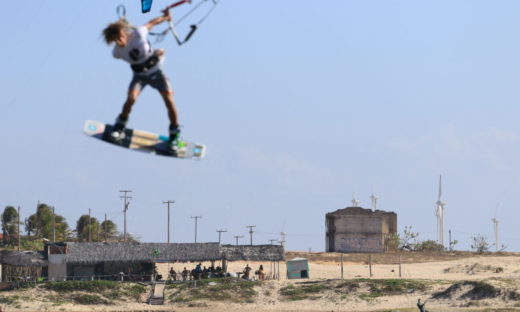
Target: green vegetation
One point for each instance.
(480, 243)
(429, 245)
(45, 223)
(135, 291)
(307, 291)
(482, 290)
(474, 290)
(56, 300)
(90, 286)
(89, 299)
(10, 226)
(113, 295)
(376, 288)
(94, 292)
(388, 287)
(9, 299)
(226, 289)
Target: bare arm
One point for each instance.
(166, 17)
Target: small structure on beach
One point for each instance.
(137, 260)
(355, 229)
(298, 268)
(123, 261)
(133, 260)
(18, 265)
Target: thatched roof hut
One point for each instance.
(23, 258)
(89, 253)
(253, 253)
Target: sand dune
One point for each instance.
(500, 272)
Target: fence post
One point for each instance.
(370, 264)
(341, 266)
(399, 265)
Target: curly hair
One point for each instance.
(112, 32)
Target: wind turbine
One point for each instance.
(354, 201)
(439, 212)
(374, 199)
(495, 224)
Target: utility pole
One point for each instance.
(219, 233)
(53, 226)
(126, 198)
(89, 227)
(196, 219)
(251, 233)
(282, 240)
(272, 241)
(237, 237)
(168, 202)
(18, 228)
(105, 227)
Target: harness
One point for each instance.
(146, 65)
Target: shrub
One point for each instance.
(89, 299)
(92, 286)
(9, 299)
(292, 292)
(479, 244)
(135, 291)
(429, 245)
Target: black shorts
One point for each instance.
(156, 80)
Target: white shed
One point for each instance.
(298, 268)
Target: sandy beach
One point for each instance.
(458, 278)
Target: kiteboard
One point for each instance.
(144, 141)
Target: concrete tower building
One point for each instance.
(355, 229)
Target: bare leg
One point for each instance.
(130, 100)
(170, 105)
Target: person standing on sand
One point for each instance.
(420, 305)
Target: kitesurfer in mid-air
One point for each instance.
(132, 45)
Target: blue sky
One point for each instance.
(301, 104)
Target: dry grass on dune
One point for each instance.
(391, 256)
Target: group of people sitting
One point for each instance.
(200, 272)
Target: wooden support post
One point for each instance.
(399, 265)
(224, 265)
(370, 264)
(341, 266)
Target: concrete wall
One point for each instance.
(356, 229)
(57, 268)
